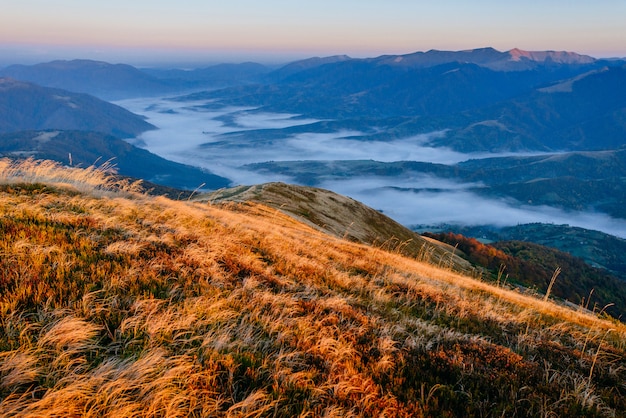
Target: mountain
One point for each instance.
(27, 106)
(587, 112)
(121, 81)
(484, 99)
(83, 149)
(328, 211)
(145, 306)
(364, 88)
(596, 248)
(423, 83)
(220, 75)
(513, 60)
(97, 78)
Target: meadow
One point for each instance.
(116, 303)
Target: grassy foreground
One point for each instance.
(114, 303)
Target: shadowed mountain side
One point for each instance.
(356, 88)
(587, 112)
(100, 79)
(26, 106)
(87, 148)
(342, 217)
(596, 248)
(553, 102)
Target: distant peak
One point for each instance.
(560, 57)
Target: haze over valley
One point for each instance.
(226, 142)
(303, 123)
(474, 137)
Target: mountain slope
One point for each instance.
(533, 266)
(513, 60)
(433, 83)
(100, 79)
(587, 112)
(83, 149)
(143, 306)
(26, 106)
(341, 217)
(362, 88)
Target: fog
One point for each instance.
(459, 206)
(221, 141)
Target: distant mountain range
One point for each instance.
(120, 81)
(486, 100)
(100, 79)
(513, 60)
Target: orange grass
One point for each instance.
(127, 305)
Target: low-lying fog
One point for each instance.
(194, 135)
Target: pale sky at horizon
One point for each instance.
(275, 29)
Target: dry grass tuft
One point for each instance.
(90, 179)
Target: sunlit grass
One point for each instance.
(120, 304)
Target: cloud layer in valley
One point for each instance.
(224, 140)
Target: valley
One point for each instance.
(409, 178)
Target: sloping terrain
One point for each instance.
(26, 106)
(342, 217)
(533, 266)
(587, 112)
(100, 79)
(485, 100)
(114, 303)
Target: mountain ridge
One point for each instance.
(98, 78)
(329, 212)
(28, 106)
(512, 60)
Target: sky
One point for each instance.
(157, 31)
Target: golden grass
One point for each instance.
(87, 179)
(128, 305)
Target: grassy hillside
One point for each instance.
(343, 217)
(113, 303)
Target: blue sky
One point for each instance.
(235, 30)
